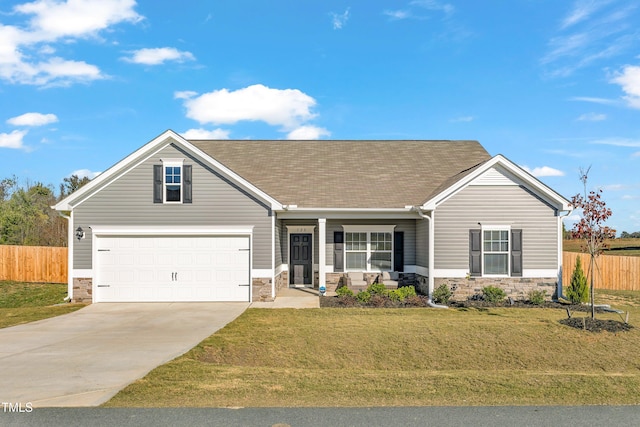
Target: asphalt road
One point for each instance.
(301, 417)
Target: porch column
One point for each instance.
(322, 252)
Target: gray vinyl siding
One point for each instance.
(128, 201)
(408, 226)
(422, 243)
(496, 205)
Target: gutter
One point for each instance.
(69, 255)
(560, 255)
(430, 303)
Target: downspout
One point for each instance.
(560, 254)
(69, 256)
(430, 303)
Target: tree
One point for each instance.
(71, 184)
(578, 291)
(591, 228)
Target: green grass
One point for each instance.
(26, 302)
(400, 357)
(621, 247)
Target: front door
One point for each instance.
(301, 260)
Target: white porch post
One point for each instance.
(322, 252)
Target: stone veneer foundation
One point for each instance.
(82, 289)
(515, 287)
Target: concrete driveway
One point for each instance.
(84, 358)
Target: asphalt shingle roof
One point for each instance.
(348, 174)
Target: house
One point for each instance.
(226, 220)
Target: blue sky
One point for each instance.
(552, 85)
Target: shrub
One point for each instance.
(493, 294)
(363, 297)
(578, 291)
(377, 289)
(343, 291)
(441, 294)
(406, 292)
(537, 297)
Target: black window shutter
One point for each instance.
(398, 251)
(186, 186)
(157, 183)
(475, 252)
(516, 253)
(338, 251)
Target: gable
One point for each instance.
(140, 156)
(498, 171)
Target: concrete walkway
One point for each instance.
(292, 298)
(85, 357)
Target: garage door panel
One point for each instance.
(172, 268)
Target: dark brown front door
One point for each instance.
(301, 260)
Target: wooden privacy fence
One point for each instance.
(33, 264)
(620, 273)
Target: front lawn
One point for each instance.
(405, 357)
(26, 302)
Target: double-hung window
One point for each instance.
(173, 183)
(368, 248)
(496, 252)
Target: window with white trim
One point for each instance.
(356, 251)
(496, 252)
(381, 250)
(368, 248)
(172, 179)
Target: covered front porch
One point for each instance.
(352, 250)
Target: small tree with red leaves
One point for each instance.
(591, 228)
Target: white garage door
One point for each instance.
(172, 268)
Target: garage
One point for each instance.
(168, 268)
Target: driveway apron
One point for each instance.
(84, 358)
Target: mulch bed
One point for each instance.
(581, 322)
(596, 325)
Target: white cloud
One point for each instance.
(288, 108)
(26, 49)
(339, 20)
(543, 171)
(636, 154)
(462, 119)
(52, 20)
(156, 56)
(205, 134)
(33, 119)
(630, 197)
(572, 218)
(13, 139)
(592, 117)
(447, 8)
(617, 142)
(398, 14)
(582, 9)
(593, 31)
(614, 187)
(308, 132)
(184, 94)
(603, 101)
(81, 173)
(629, 80)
